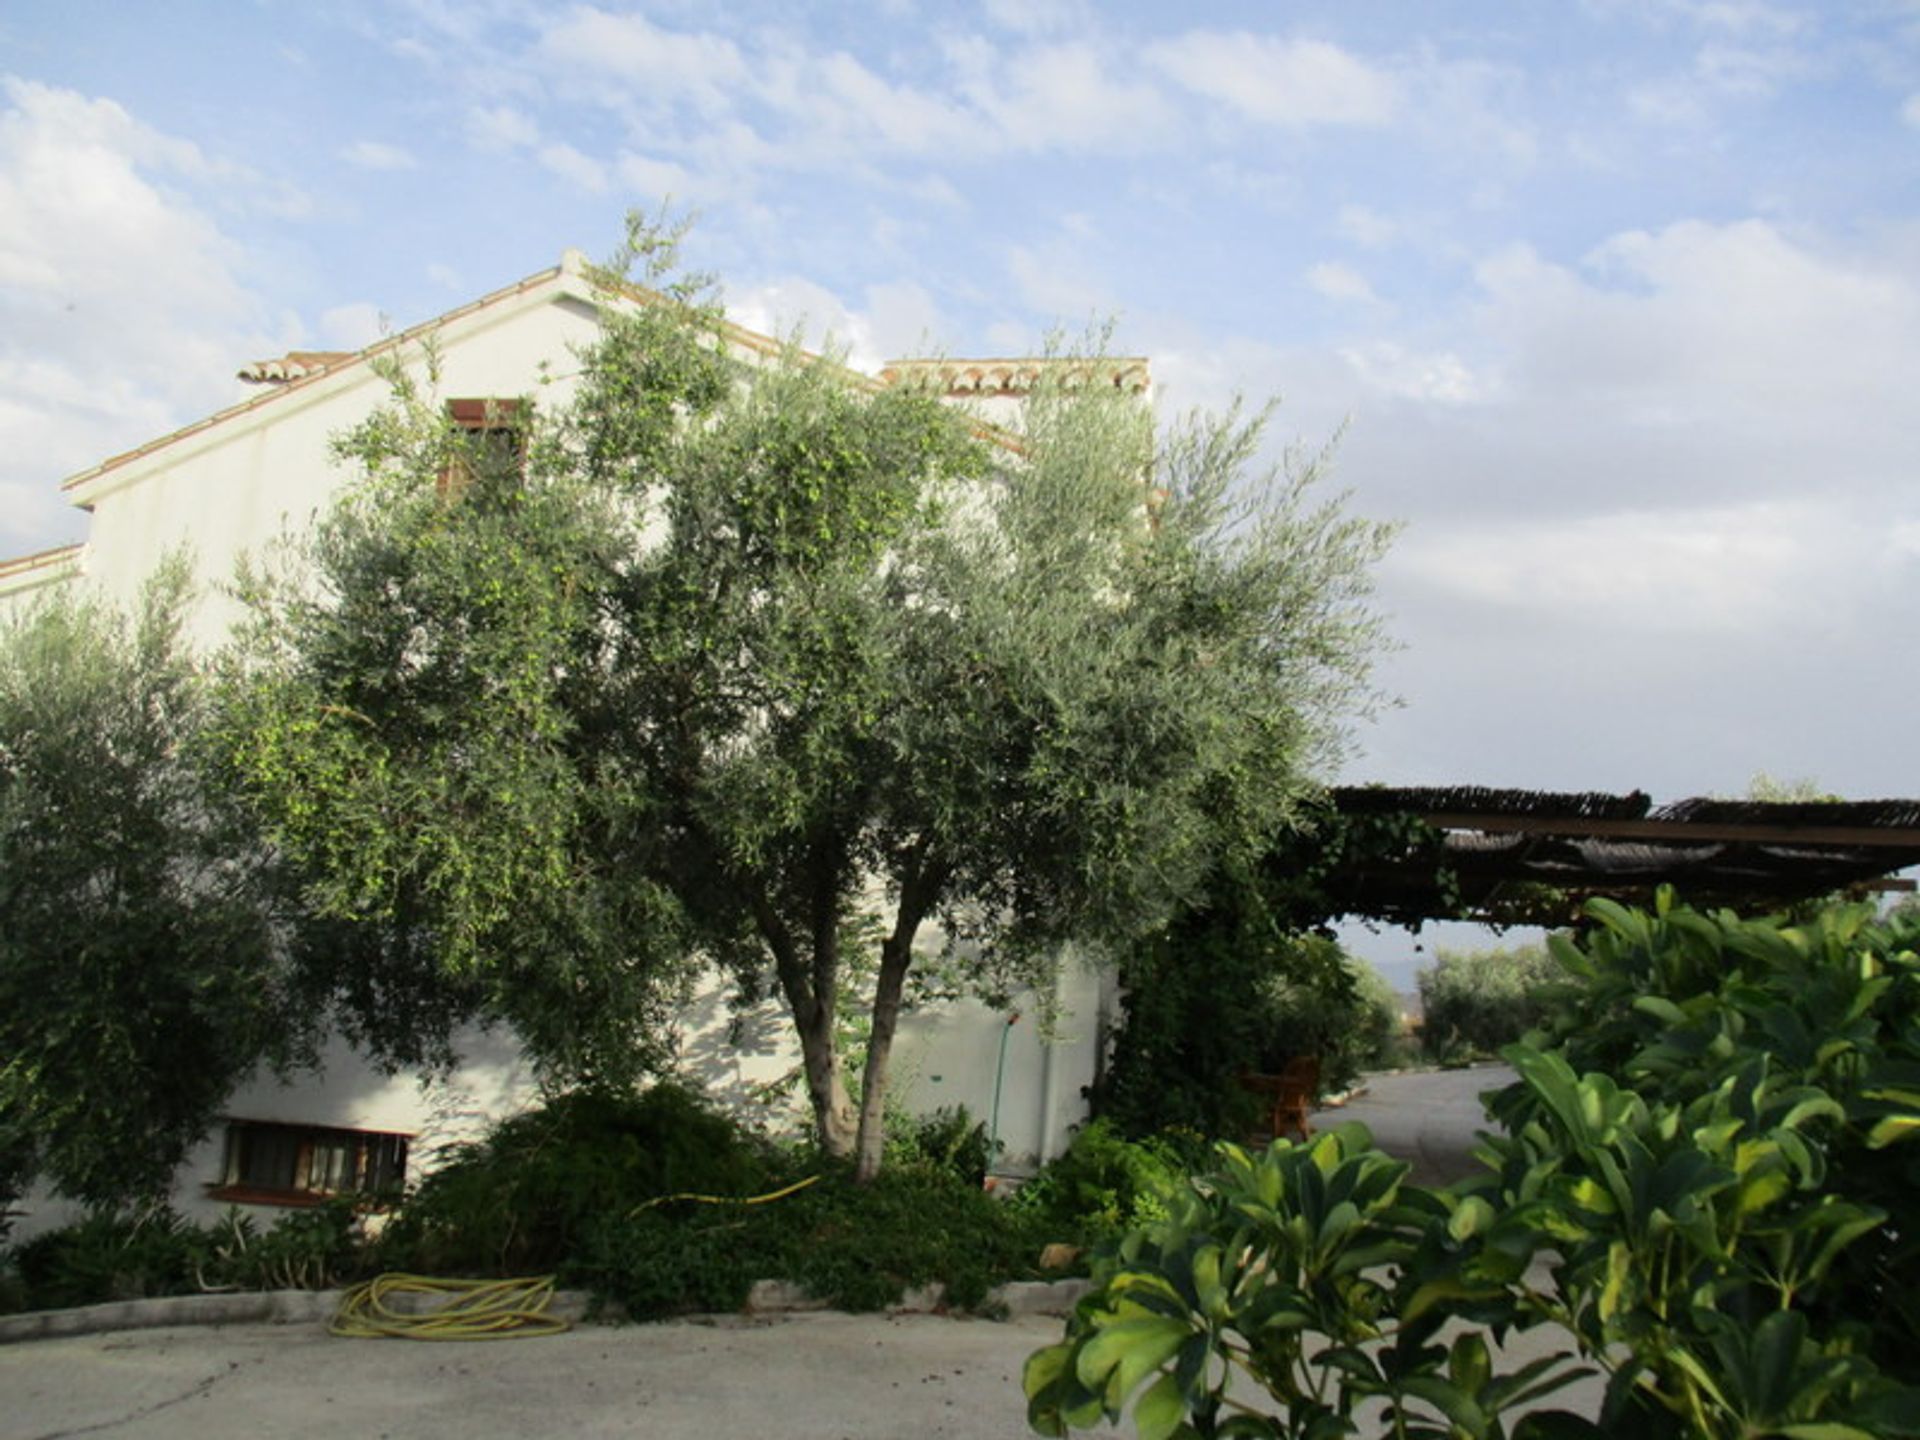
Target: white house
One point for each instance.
(234, 483)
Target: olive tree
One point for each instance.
(141, 972)
(738, 658)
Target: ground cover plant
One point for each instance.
(1706, 1189)
(135, 1255)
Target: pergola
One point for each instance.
(1533, 857)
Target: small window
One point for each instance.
(497, 438)
(274, 1164)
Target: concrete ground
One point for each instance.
(818, 1376)
(1426, 1117)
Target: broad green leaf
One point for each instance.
(1160, 1409)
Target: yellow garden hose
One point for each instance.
(466, 1309)
(779, 1194)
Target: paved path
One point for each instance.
(1428, 1117)
(804, 1377)
(822, 1376)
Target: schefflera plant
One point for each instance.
(1301, 1272)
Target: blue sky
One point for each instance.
(1618, 302)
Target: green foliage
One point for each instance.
(947, 1140)
(1696, 1250)
(107, 1256)
(1350, 1023)
(1289, 1273)
(746, 652)
(856, 1247)
(1476, 1002)
(642, 1200)
(524, 1198)
(1226, 991)
(1709, 1189)
(130, 1256)
(1818, 1023)
(141, 970)
(1105, 1183)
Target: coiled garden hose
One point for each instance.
(465, 1309)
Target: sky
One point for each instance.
(1613, 304)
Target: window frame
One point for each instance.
(378, 1162)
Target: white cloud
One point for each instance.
(652, 62)
(1064, 96)
(897, 319)
(1436, 377)
(570, 165)
(1366, 227)
(1290, 83)
(1337, 280)
(352, 327)
(1040, 17)
(1663, 572)
(657, 179)
(373, 155)
(122, 310)
(1056, 281)
(501, 127)
(1910, 111)
(445, 276)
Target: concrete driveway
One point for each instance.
(1427, 1117)
(823, 1376)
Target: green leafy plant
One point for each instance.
(1707, 1188)
(1691, 1249)
(1682, 1006)
(1287, 1274)
(1105, 1183)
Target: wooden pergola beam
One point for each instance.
(1679, 831)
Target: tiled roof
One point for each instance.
(13, 571)
(292, 382)
(300, 367)
(985, 378)
(294, 365)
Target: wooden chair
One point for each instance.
(1289, 1095)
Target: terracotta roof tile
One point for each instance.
(294, 365)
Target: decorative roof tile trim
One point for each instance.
(963, 378)
(294, 365)
(392, 342)
(40, 560)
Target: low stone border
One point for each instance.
(316, 1307)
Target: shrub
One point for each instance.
(1297, 1272)
(108, 1256)
(1475, 1002)
(948, 1139)
(1105, 1183)
(520, 1199)
(1821, 1019)
(132, 1256)
(1710, 1189)
(643, 1200)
